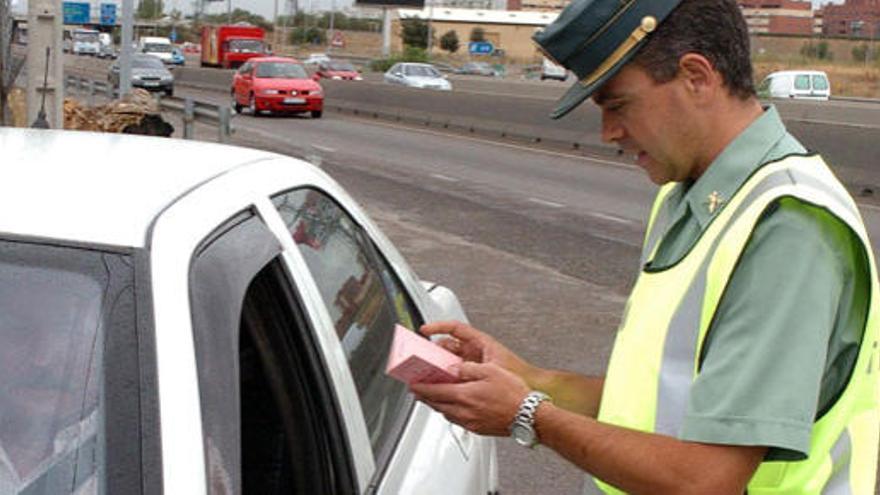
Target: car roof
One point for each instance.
(101, 188)
(258, 60)
(793, 72)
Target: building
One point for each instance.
(793, 17)
(510, 31)
(470, 4)
(854, 19)
(538, 5)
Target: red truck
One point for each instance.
(232, 45)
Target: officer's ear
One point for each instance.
(700, 79)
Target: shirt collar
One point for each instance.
(730, 169)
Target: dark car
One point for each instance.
(147, 72)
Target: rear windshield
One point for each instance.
(246, 46)
(158, 48)
(820, 83)
(420, 71)
(54, 303)
(281, 70)
(340, 66)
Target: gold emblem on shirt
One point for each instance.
(714, 201)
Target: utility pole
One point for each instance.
(126, 51)
(430, 27)
(45, 80)
(332, 15)
(5, 56)
(386, 32)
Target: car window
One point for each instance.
(245, 68)
(365, 300)
(764, 88)
(420, 71)
(820, 82)
(802, 82)
(146, 63)
(281, 70)
(63, 311)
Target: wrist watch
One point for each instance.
(522, 429)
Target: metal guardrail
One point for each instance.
(191, 109)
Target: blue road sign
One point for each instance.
(108, 14)
(76, 12)
(173, 34)
(480, 48)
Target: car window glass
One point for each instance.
(363, 296)
(820, 83)
(764, 87)
(802, 82)
(281, 70)
(146, 63)
(245, 68)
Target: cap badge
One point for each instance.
(649, 23)
(714, 201)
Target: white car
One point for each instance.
(191, 318)
(550, 70)
(316, 58)
(415, 75)
(796, 84)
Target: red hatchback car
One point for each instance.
(276, 84)
(338, 70)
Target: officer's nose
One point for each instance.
(612, 131)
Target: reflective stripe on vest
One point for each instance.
(698, 283)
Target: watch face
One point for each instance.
(523, 435)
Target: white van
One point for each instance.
(549, 70)
(85, 42)
(797, 84)
(158, 46)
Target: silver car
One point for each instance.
(190, 318)
(147, 72)
(415, 75)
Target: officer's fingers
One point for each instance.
(457, 329)
(450, 344)
(469, 371)
(435, 392)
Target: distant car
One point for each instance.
(416, 75)
(796, 84)
(190, 47)
(107, 51)
(278, 85)
(477, 69)
(316, 58)
(177, 57)
(147, 72)
(550, 70)
(188, 318)
(338, 70)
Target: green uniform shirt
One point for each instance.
(788, 327)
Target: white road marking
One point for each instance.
(444, 177)
(325, 149)
(834, 123)
(544, 202)
(610, 218)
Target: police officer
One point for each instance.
(746, 358)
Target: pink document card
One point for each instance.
(414, 359)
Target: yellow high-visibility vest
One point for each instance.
(656, 353)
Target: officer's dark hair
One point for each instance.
(715, 29)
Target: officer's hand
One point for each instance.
(473, 345)
(485, 403)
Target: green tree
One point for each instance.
(449, 41)
(414, 33)
(478, 34)
(817, 50)
(150, 9)
(314, 34)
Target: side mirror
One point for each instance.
(446, 300)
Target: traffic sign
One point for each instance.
(338, 39)
(172, 36)
(76, 12)
(480, 48)
(108, 14)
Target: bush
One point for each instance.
(818, 50)
(414, 33)
(312, 34)
(478, 34)
(864, 53)
(449, 41)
